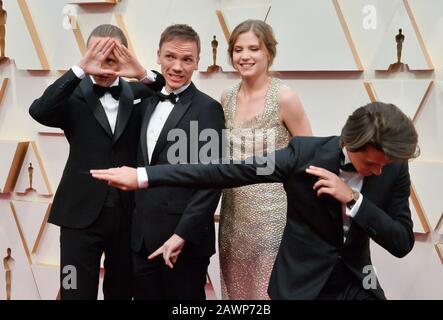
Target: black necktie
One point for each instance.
(171, 97)
(114, 91)
(349, 167)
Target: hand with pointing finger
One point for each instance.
(170, 250)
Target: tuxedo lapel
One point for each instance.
(151, 105)
(372, 187)
(328, 157)
(125, 106)
(174, 118)
(93, 102)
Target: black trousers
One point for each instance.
(81, 251)
(342, 284)
(153, 280)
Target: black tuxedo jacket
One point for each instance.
(187, 212)
(313, 237)
(70, 104)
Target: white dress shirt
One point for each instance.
(355, 181)
(155, 127)
(110, 105)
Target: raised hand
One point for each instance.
(98, 51)
(129, 65)
(329, 183)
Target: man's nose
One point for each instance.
(377, 170)
(177, 66)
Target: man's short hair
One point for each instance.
(383, 126)
(108, 30)
(182, 32)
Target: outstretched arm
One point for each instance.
(276, 167)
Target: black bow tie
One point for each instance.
(114, 91)
(349, 167)
(171, 97)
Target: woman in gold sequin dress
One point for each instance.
(262, 109)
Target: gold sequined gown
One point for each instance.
(252, 217)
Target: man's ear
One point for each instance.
(196, 65)
(158, 56)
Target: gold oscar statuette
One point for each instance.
(30, 174)
(214, 67)
(399, 66)
(8, 263)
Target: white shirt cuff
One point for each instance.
(351, 213)
(150, 77)
(78, 72)
(142, 178)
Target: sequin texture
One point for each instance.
(252, 217)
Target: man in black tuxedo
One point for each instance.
(175, 216)
(333, 210)
(100, 116)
